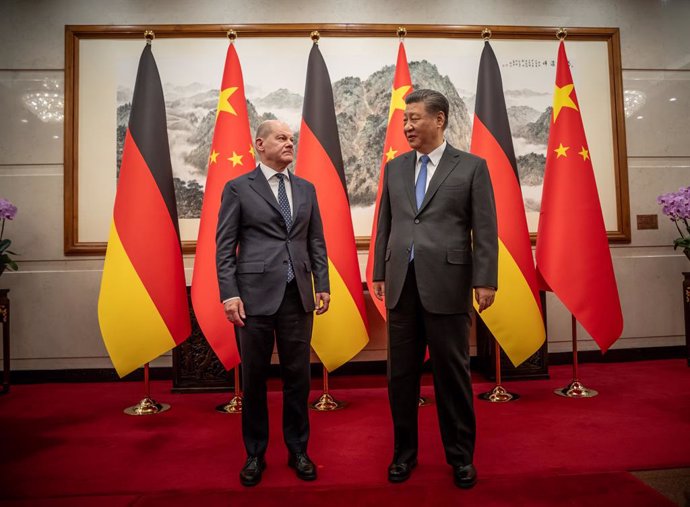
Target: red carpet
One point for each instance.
(67, 444)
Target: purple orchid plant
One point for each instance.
(676, 206)
(7, 212)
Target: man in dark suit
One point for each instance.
(270, 248)
(436, 240)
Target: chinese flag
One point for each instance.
(232, 154)
(340, 333)
(515, 318)
(395, 144)
(142, 305)
(573, 256)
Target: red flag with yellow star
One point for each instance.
(232, 154)
(394, 145)
(573, 256)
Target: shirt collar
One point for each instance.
(435, 155)
(269, 172)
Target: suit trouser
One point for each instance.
(410, 329)
(291, 328)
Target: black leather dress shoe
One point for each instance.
(400, 471)
(250, 475)
(305, 468)
(465, 476)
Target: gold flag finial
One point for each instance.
(149, 36)
(315, 36)
(486, 34)
(232, 35)
(402, 32)
(561, 33)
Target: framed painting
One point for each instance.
(101, 64)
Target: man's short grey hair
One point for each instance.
(433, 102)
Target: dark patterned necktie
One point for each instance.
(420, 190)
(284, 206)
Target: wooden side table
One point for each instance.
(5, 319)
(686, 309)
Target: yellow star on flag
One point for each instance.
(224, 101)
(561, 99)
(390, 154)
(561, 151)
(251, 151)
(235, 159)
(584, 153)
(213, 156)
(397, 100)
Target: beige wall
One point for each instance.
(54, 321)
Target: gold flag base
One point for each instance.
(147, 406)
(576, 390)
(498, 395)
(326, 403)
(234, 406)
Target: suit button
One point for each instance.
(416, 220)
(288, 241)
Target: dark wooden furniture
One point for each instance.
(686, 307)
(5, 319)
(536, 367)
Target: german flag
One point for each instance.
(515, 318)
(340, 333)
(142, 306)
(573, 256)
(394, 145)
(232, 154)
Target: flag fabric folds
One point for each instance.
(573, 256)
(340, 333)
(394, 145)
(232, 154)
(142, 305)
(515, 318)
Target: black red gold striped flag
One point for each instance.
(340, 333)
(394, 145)
(515, 318)
(232, 154)
(142, 306)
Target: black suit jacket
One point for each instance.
(253, 245)
(454, 231)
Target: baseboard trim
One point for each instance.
(352, 368)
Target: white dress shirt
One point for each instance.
(434, 159)
(273, 182)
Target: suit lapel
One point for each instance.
(407, 168)
(260, 185)
(298, 196)
(448, 162)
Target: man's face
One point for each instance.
(424, 130)
(277, 147)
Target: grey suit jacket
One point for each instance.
(454, 232)
(253, 245)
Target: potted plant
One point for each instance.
(7, 212)
(676, 206)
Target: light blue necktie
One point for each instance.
(420, 187)
(420, 190)
(284, 206)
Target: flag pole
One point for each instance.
(498, 394)
(575, 389)
(147, 406)
(234, 406)
(326, 402)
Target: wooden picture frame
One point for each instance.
(89, 50)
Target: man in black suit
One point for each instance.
(436, 240)
(273, 273)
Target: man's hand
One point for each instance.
(234, 311)
(484, 296)
(322, 301)
(379, 290)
